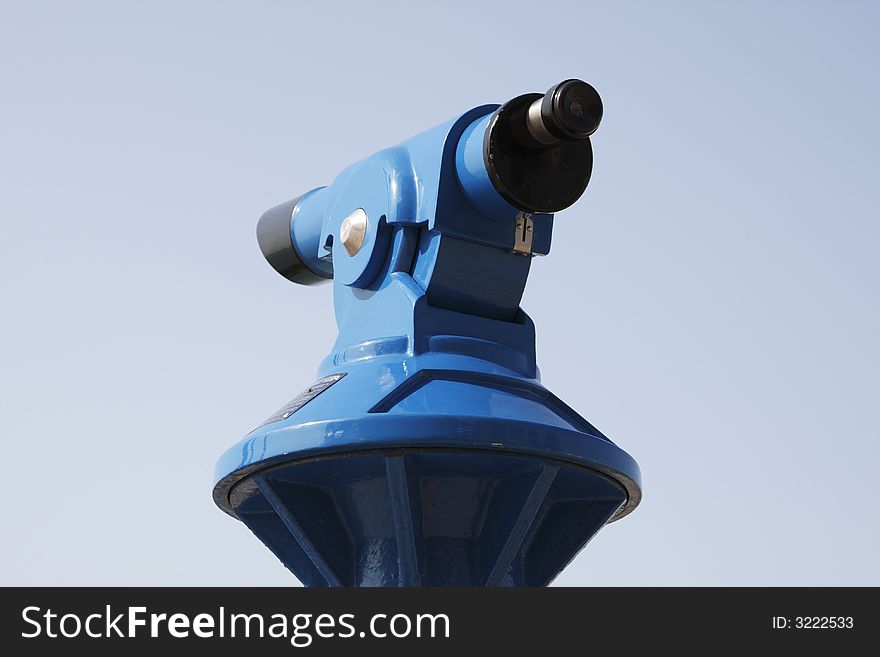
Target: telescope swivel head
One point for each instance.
(530, 156)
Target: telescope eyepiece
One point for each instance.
(536, 149)
(571, 110)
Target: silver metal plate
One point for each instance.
(303, 398)
(525, 232)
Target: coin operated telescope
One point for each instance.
(428, 453)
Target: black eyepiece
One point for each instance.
(537, 148)
(571, 110)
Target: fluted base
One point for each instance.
(426, 517)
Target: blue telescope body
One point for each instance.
(428, 453)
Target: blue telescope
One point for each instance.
(428, 453)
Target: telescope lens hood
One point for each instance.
(276, 243)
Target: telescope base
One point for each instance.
(426, 517)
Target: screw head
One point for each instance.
(353, 231)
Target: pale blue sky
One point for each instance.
(711, 303)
